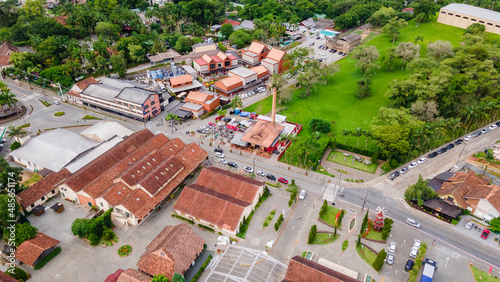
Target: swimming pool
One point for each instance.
(329, 33)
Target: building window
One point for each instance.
(473, 20)
(146, 107)
(212, 66)
(32, 205)
(481, 22)
(63, 195)
(458, 16)
(102, 205)
(443, 13)
(497, 25)
(450, 14)
(466, 18)
(227, 63)
(490, 24)
(219, 65)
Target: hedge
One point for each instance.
(182, 218)
(206, 228)
(49, 257)
(203, 266)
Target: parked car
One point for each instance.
(442, 150)
(409, 265)
(412, 222)
(459, 141)
(416, 244)
(282, 180)
(450, 146)
(260, 173)
(476, 134)
(413, 164)
(432, 155)
(421, 160)
(302, 194)
(248, 169)
(393, 175)
(404, 170)
(271, 177)
(223, 161)
(3, 141)
(468, 225)
(485, 233)
(390, 259)
(232, 164)
(56, 102)
(485, 130)
(493, 126)
(219, 155)
(392, 247)
(413, 253)
(218, 150)
(468, 138)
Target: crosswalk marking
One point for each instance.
(30, 97)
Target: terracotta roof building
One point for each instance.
(219, 200)
(344, 44)
(469, 191)
(220, 63)
(135, 176)
(40, 192)
(263, 134)
(254, 54)
(164, 57)
(240, 79)
(228, 21)
(178, 84)
(301, 269)
(5, 51)
(274, 61)
(73, 95)
(132, 275)
(4, 277)
(33, 250)
(173, 250)
(208, 101)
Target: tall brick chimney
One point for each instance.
(273, 111)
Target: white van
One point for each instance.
(412, 222)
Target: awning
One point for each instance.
(237, 140)
(181, 95)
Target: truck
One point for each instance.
(429, 268)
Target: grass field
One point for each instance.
(338, 157)
(366, 254)
(374, 235)
(483, 275)
(330, 215)
(336, 102)
(324, 238)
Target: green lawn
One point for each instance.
(269, 218)
(33, 179)
(366, 254)
(335, 101)
(483, 275)
(324, 238)
(374, 235)
(330, 215)
(338, 157)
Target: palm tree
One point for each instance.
(345, 132)
(14, 131)
(488, 158)
(236, 102)
(221, 112)
(292, 138)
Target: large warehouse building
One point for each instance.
(462, 15)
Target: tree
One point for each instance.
(382, 16)
(6, 97)
(495, 224)
(94, 239)
(279, 83)
(240, 37)
(475, 29)
(178, 278)
(24, 232)
(80, 227)
(366, 57)
(119, 64)
(420, 191)
(389, 58)
(108, 234)
(364, 87)
(312, 234)
(308, 80)
(14, 146)
(364, 223)
(137, 53)
(407, 52)
(425, 111)
(379, 261)
(425, 9)
(107, 30)
(9, 208)
(324, 209)
(393, 26)
(221, 112)
(319, 125)
(439, 49)
(159, 278)
(106, 217)
(392, 128)
(488, 158)
(328, 70)
(226, 30)
(10, 175)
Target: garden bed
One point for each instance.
(330, 216)
(480, 275)
(323, 238)
(124, 251)
(367, 254)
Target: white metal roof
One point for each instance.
(135, 95)
(92, 154)
(473, 11)
(243, 72)
(103, 131)
(54, 149)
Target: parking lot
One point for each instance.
(325, 55)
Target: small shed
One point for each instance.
(58, 207)
(38, 210)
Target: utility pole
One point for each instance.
(456, 163)
(364, 201)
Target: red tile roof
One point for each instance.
(40, 189)
(29, 251)
(6, 46)
(256, 47)
(61, 19)
(231, 57)
(132, 275)
(86, 82)
(263, 133)
(217, 59)
(114, 277)
(201, 62)
(229, 82)
(173, 250)
(459, 185)
(4, 277)
(301, 269)
(276, 55)
(73, 93)
(199, 96)
(228, 21)
(180, 79)
(491, 193)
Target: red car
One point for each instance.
(283, 180)
(485, 234)
(211, 124)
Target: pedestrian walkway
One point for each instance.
(33, 96)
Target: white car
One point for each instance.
(413, 223)
(392, 247)
(416, 244)
(248, 169)
(219, 155)
(413, 164)
(468, 225)
(223, 161)
(302, 194)
(422, 160)
(493, 126)
(55, 102)
(413, 253)
(261, 173)
(468, 138)
(390, 259)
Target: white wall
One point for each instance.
(485, 208)
(68, 193)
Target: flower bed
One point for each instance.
(125, 251)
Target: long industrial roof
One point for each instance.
(473, 11)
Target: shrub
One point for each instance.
(273, 212)
(293, 196)
(454, 221)
(379, 261)
(312, 234)
(466, 212)
(344, 245)
(323, 209)
(46, 259)
(276, 226)
(108, 234)
(59, 114)
(320, 125)
(18, 274)
(15, 145)
(94, 239)
(387, 227)
(203, 266)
